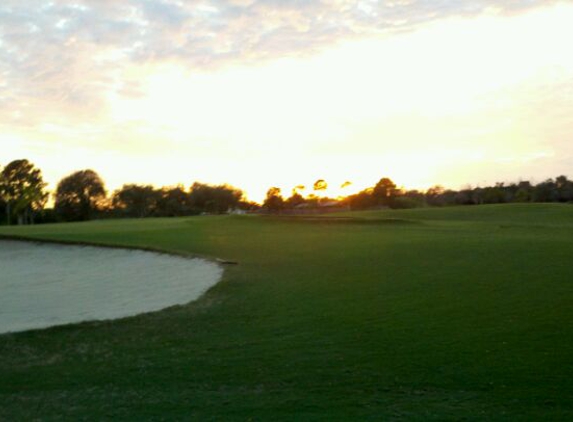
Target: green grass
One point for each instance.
(427, 314)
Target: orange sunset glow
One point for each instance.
(256, 95)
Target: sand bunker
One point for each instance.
(42, 285)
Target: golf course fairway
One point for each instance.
(426, 314)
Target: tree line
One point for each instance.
(386, 194)
(82, 196)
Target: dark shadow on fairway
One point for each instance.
(341, 220)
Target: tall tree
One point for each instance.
(385, 191)
(136, 201)
(564, 189)
(545, 191)
(174, 202)
(274, 202)
(22, 189)
(79, 196)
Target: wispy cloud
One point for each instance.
(58, 58)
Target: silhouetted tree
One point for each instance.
(495, 194)
(246, 205)
(215, 199)
(274, 202)
(463, 197)
(564, 189)
(294, 200)
(361, 200)
(22, 191)
(79, 196)
(409, 199)
(136, 200)
(174, 202)
(522, 194)
(545, 192)
(385, 191)
(433, 195)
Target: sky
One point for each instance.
(261, 93)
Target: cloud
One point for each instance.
(59, 58)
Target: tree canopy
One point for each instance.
(23, 190)
(320, 185)
(274, 202)
(384, 191)
(79, 196)
(136, 200)
(215, 199)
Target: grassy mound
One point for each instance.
(465, 315)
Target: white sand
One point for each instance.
(42, 285)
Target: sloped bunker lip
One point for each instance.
(49, 284)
